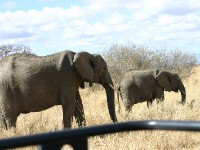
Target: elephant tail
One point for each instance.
(118, 94)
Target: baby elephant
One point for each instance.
(139, 86)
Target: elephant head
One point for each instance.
(93, 69)
(171, 82)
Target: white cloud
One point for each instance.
(47, 0)
(98, 22)
(166, 19)
(115, 18)
(98, 28)
(9, 5)
(194, 4)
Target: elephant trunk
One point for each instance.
(183, 92)
(109, 88)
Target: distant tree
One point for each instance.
(122, 57)
(8, 49)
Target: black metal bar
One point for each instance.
(82, 133)
(77, 144)
(80, 144)
(52, 146)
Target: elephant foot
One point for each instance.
(149, 103)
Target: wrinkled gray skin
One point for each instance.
(30, 83)
(139, 86)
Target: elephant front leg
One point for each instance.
(79, 112)
(68, 107)
(160, 95)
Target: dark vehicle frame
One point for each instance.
(78, 137)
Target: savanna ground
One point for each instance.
(95, 107)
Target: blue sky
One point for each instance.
(49, 26)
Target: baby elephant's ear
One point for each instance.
(82, 61)
(163, 78)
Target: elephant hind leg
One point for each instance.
(11, 122)
(7, 121)
(3, 123)
(9, 109)
(128, 109)
(128, 106)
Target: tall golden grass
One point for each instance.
(96, 112)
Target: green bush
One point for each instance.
(121, 58)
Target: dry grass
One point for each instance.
(96, 113)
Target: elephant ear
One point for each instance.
(163, 78)
(84, 63)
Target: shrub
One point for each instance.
(121, 58)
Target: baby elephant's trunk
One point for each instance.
(118, 94)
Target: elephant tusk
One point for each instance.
(111, 86)
(183, 92)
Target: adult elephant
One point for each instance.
(139, 86)
(30, 83)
